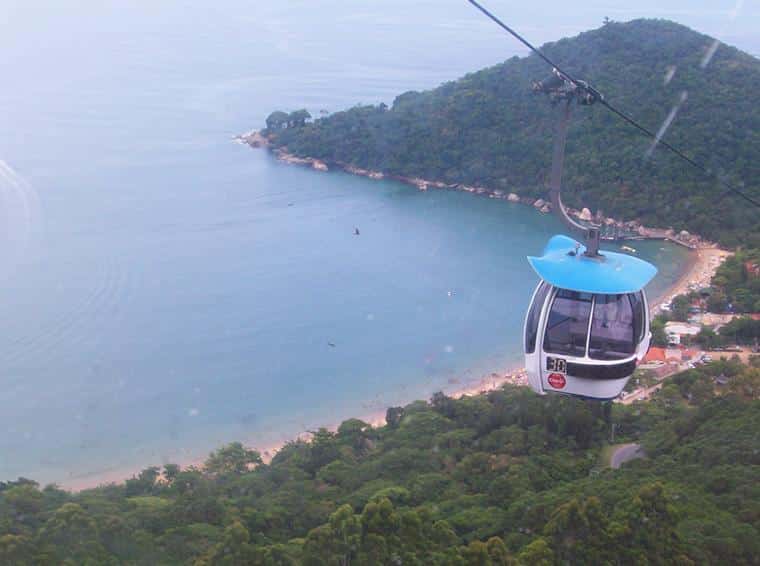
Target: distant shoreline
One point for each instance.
(634, 229)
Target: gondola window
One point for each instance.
(534, 316)
(613, 330)
(567, 326)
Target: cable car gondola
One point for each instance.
(588, 322)
(587, 325)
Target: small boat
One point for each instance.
(628, 249)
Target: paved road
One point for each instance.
(641, 394)
(625, 453)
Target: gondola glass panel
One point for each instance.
(639, 315)
(534, 316)
(612, 328)
(567, 326)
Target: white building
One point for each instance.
(675, 330)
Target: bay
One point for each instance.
(165, 290)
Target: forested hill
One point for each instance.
(488, 129)
(504, 479)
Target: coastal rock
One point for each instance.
(421, 184)
(546, 208)
(539, 203)
(585, 215)
(513, 197)
(319, 165)
(254, 139)
(376, 175)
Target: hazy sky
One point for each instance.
(733, 21)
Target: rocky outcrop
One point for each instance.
(253, 138)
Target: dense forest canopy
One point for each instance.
(487, 129)
(737, 283)
(503, 478)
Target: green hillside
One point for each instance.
(499, 479)
(487, 129)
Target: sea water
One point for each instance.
(175, 290)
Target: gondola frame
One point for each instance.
(564, 268)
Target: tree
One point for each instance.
(537, 553)
(233, 550)
(651, 522)
(680, 308)
(393, 416)
(659, 336)
(708, 338)
(380, 518)
(16, 549)
(233, 458)
(443, 404)
(277, 120)
(498, 552)
(144, 483)
(337, 542)
(476, 554)
(24, 499)
(742, 330)
(171, 471)
(578, 529)
(323, 449)
(356, 433)
(718, 302)
(298, 118)
(73, 535)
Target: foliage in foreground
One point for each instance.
(503, 478)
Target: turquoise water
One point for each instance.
(174, 290)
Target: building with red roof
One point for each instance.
(654, 354)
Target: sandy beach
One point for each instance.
(703, 264)
(457, 389)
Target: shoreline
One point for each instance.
(268, 449)
(625, 230)
(702, 263)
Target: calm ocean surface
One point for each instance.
(168, 290)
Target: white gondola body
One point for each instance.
(588, 324)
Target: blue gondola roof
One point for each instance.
(612, 274)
